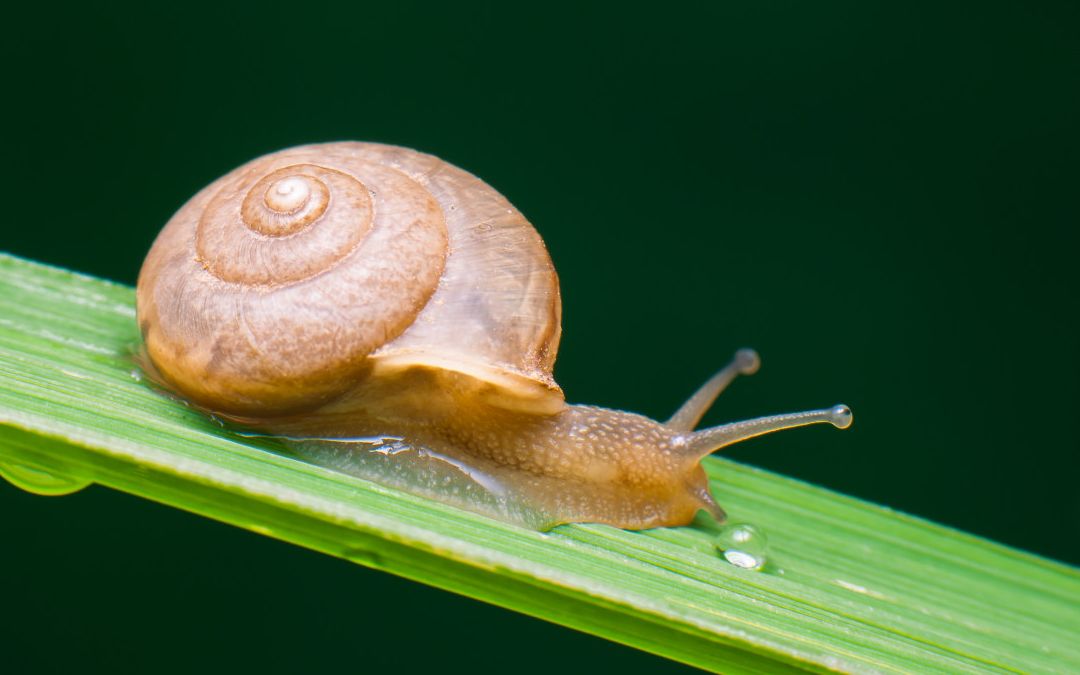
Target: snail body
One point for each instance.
(394, 317)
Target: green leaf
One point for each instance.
(849, 586)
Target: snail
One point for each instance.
(393, 316)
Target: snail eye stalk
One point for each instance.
(705, 442)
(745, 362)
(701, 443)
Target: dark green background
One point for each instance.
(881, 200)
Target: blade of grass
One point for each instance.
(850, 586)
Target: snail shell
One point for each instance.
(286, 282)
(394, 317)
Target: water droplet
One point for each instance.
(743, 545)
(136, 375)
(38, 481)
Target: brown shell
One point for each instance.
(292, 280)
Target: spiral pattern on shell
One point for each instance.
(285, 282)
(290, 208)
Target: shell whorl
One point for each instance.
(283, 228)
(286, 282)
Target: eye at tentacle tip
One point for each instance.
(840, 416)
(748, 361)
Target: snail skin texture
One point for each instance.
(392, 316)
